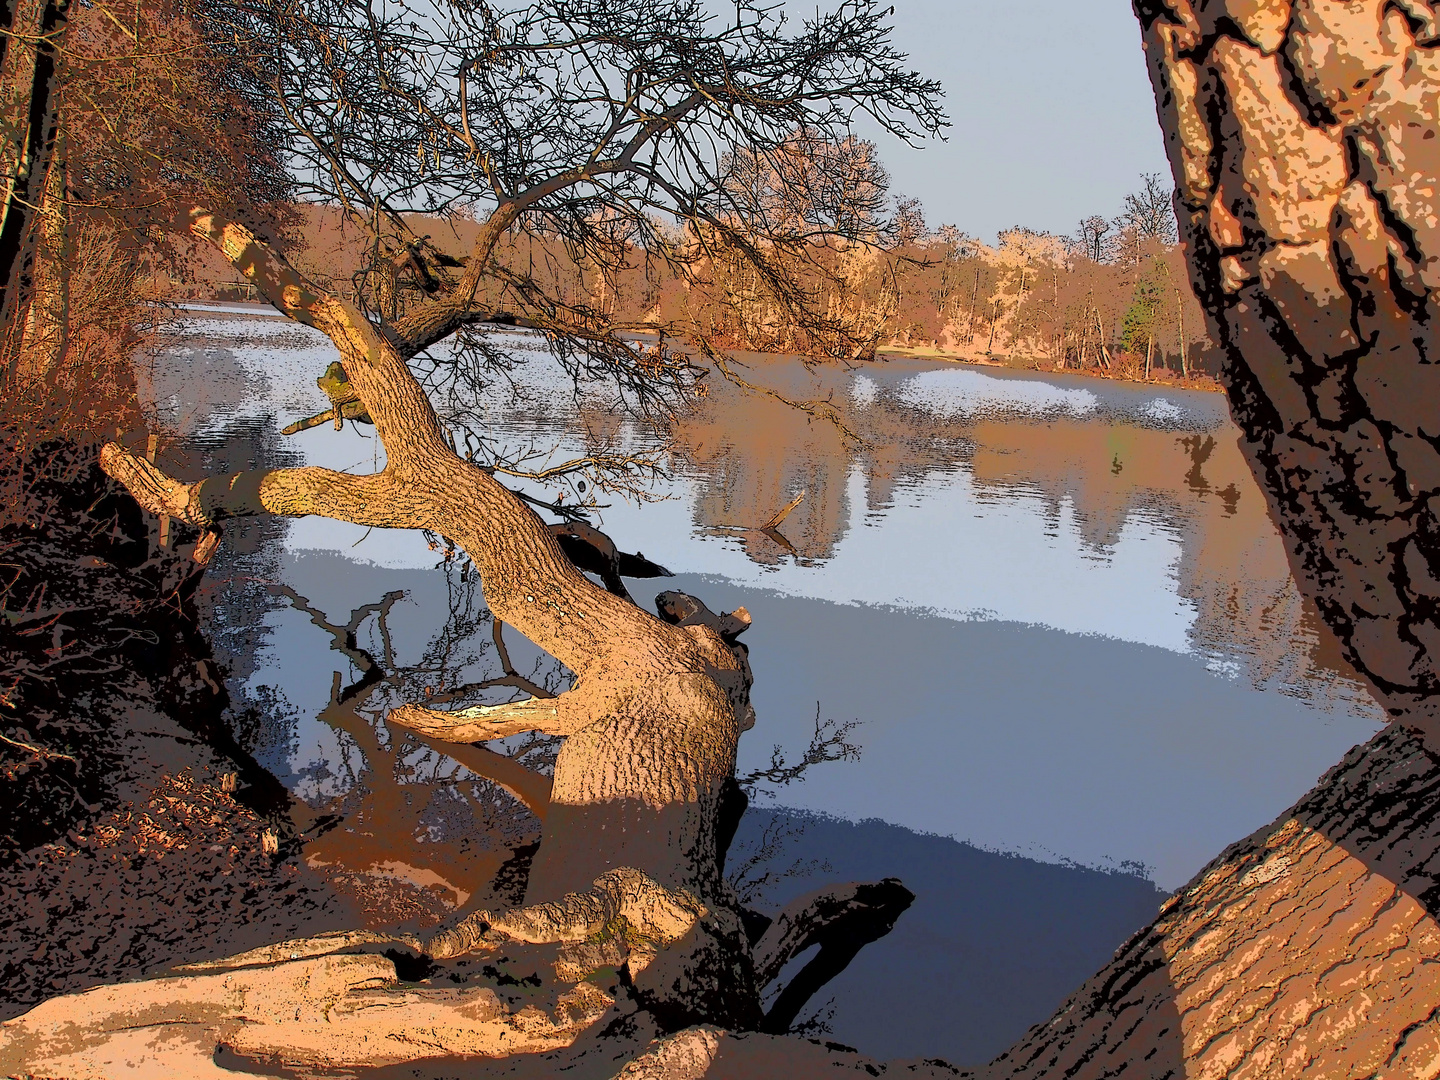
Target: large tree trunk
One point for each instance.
(1302, 138)
(627, 915)
(1308, 949)
(29, 78)
(656, 711)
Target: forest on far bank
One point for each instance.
(1111, 298)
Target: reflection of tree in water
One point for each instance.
(1089, 477)
(753, 869)
(234, 596)
(418, 833)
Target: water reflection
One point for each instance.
(1150, 491)
(409, 833)
(1057, 606)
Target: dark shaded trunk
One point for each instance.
(29, 80)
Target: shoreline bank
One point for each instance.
(1160, 378)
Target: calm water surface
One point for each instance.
(1055, 608)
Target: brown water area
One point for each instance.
(753, 452)
(1056, 609)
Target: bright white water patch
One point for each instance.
(255, 311)
(944, 548)
(1015, 561)
(863, 391)
(1164, 411)
(960, 393)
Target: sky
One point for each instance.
(1052, 113)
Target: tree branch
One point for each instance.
(285, 287)
(481, 723)
(363, 500)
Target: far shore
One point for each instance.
(1159, 376)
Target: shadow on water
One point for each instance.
(992, 944)
(990, 947)
(409, 834)
(988, 721)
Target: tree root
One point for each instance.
(623, 902)
(304, 949)
(841, 919)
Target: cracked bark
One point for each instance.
(1308, 949)
(1302, 139)
(653, 720)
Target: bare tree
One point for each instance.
(1150, 212)
(1094, 240)
(571, 134)
(585, 125)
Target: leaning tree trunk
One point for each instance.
(1303, 142)
(656, 710)
(626, 902)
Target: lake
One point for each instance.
(1054, 610)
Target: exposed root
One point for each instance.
(623, 901)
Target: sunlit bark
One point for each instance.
(628, 873)
(1302, 139)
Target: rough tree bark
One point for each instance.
(1302, 139)
(655, 714)
(626, 902)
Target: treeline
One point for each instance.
(1113, 296)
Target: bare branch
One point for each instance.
(482, 723)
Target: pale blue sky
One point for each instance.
(1052, 110)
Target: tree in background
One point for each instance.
(1149, 214)
(610, 133)
(820, 208)
(143, 111)
(1147, 303)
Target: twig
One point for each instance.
(39, 751)
(774, 522)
